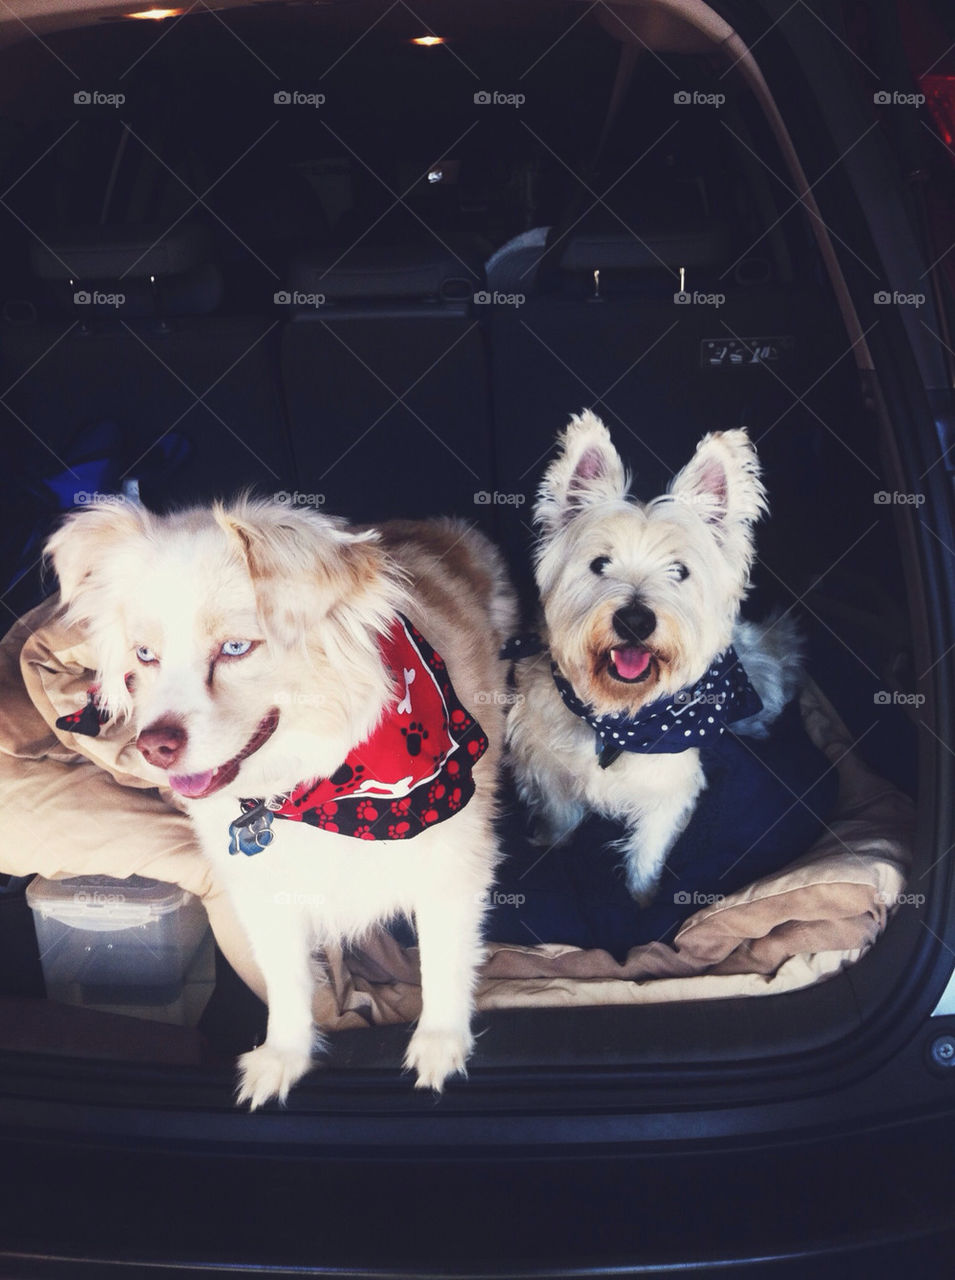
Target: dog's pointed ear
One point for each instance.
(722, 483)
(306, 567)
(93, 553)
(588, 470)
(82, 550)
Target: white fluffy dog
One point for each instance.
(645, 660)
(276, 672)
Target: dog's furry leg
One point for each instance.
(448, 921)
(556, 815)
(280, 944)
(649, 841)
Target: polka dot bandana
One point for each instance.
(693, 717)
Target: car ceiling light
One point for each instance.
(156, 15)
(428, 42)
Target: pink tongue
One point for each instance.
(631, 662)
(191, 784)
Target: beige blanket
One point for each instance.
(76, 805)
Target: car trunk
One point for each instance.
(764, 178)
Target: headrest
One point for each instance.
(129, 272)
(114, 253)
(651, 250)
(400, 272)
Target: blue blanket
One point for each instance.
(765, 803)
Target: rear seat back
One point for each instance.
(125, 331)
(385, 377)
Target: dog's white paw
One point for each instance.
(643, 888)
(436, 1055)
(267, 1072)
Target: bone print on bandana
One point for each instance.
(413, 772)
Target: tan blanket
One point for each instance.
(76, 806)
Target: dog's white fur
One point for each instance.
(705, 523)
(316, 596)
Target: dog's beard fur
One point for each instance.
(311, 596)
(694, 617)
(685, 558)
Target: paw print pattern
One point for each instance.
(346, 775)
(414, 736)
(427, 761)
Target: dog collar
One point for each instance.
(413, 772)
(694, 717)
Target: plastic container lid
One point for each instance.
(103, 902)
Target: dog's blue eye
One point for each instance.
(680, 572)
(597, 566)
(146, 655)
(235, 648)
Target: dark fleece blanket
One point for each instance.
(765, 803)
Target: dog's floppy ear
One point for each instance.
(587, 470)
(307, 569)
(83, 549)
(94, 553)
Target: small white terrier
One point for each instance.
(274, 671)
(644, 658)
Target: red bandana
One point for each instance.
(412, 772)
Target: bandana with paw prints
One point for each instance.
(413, 772)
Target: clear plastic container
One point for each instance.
(106, 942)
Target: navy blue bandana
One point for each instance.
(693, 717)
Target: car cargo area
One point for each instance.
(286, 248)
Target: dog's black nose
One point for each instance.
(162, 743)
(634, 622)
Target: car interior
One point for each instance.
(287, 248)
